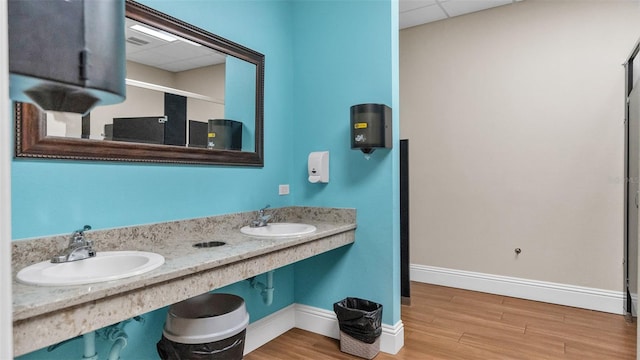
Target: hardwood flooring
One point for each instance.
(448, 323)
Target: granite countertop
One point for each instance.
(183, 261)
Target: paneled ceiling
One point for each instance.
(418, 12)
(166, 51)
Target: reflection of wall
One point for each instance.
(208, 81)
(241, 77)
(147, 103)
(150, 74)
(64, 124)
(201, 110)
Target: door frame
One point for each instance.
(628, 66)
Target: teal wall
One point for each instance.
(321, 58)
(343, 56)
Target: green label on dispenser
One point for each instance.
(360, 125)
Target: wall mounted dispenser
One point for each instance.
(370, 127)
(67, 55)
(318, 165)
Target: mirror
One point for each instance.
(192, 97)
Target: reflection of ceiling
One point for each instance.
(174, 56)
(417, 12)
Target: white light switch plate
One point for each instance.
(283, 189)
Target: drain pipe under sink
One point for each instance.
(114, 333)
(119, 338)
(90, 346)
(265, 290)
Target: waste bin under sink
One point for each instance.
(208, 326)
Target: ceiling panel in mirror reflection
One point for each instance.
(216, 92)
(180, 83)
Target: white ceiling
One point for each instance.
(182, 55)
(418, 12)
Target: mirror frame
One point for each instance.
(30, 122)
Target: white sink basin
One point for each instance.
(279, 230)
(105, 266)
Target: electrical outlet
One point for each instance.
(283, 189)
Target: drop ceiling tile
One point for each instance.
(421, 16)
(137, 57)
(187, 64)
(406, 5)
(175, 67)
(461, 7)
(184, 50)
(146, 58)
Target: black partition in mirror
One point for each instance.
(53, 136)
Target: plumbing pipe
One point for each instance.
(255, 284)
(90, 346)
(265, 290)
(267, 293)
(117, 347)
(119, 338)
(114, 333)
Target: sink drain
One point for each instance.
(209, 244)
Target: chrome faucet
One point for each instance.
(79, 248)
(262, 219)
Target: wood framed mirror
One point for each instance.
(190, 115)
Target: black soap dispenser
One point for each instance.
(370, 127)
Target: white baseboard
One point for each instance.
(319, 321)
(270, 327)
(315, 320)
(392, 338)
(555, 293)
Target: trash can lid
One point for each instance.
(206, 318)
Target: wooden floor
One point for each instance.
(447, 323)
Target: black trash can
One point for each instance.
(208, 326)
(360, 326)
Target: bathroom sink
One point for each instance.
(105, 266)
(279, 230)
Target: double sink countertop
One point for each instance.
(45, 315)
